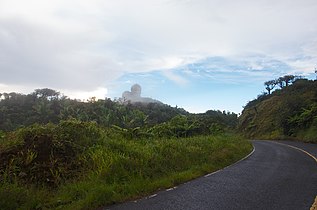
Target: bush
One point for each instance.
(48, 154)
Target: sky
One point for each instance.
(198, 55)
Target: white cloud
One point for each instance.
(175, 77)
(99, 93)
(83, 45)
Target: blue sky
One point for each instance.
(199, 55)
(196, 95)
(213, 83)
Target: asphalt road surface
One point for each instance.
(275, 176)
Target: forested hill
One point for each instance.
(49, 106)
(287, 111)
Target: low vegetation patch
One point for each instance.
(80, 165)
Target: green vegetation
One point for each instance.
(289, 112)
(58, 153)
(79, 165)
(49, 106)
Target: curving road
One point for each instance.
(275, 176)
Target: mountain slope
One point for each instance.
(290, 112)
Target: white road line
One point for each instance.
(172, 188)
(304, 151)
(213, 173)
(152, 196)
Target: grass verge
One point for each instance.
(116, 169)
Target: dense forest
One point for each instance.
(288, 110)
(49, 106)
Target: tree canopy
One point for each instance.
(283, 81)
(50, 106)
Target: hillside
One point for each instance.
(287, 113)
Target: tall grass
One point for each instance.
(114, 169)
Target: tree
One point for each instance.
(280, 82)
(269, 85)
(46, 93)
(288, 79)
(6, 96)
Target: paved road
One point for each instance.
(311, 148)
(275, 176)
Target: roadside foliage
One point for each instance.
(57, 153)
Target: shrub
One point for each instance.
(48, 154)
